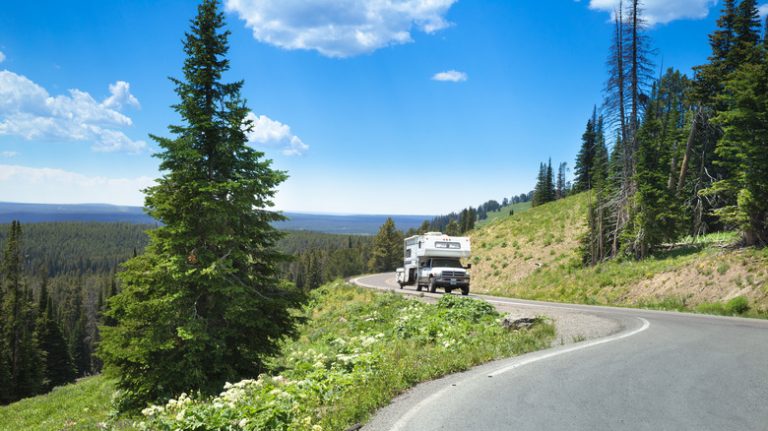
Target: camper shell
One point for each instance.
(433, 260)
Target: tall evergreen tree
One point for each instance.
(549, 183)
(203, 304)
(387, 251)
(585, 159)
(59, 366)
(25, 360)
(746, 29)
(6, 389)
(453, 228)
(745, 146)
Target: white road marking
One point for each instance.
(403, 421)
(580, 346)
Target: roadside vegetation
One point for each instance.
(536, 255)
(81, 406)
(355, 351)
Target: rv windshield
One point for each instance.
(446, 263)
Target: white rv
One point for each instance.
(434, 260)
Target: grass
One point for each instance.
(504, 212)
(534, 255)
(80, 406)
(356, 351)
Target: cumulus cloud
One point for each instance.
(27, 184)
(763, 9)
(8, 154)
(28, 111)
(120, 95)
(266, 131)
(2, 57)
(663, 11)
(450, 76)
(340, 28)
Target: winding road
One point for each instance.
(655, 371)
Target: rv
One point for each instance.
(433, 261)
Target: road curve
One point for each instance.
(661, 371)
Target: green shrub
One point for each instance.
(353, 355)
(737, 305)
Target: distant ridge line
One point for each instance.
(352, 224)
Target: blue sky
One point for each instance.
(398, 107)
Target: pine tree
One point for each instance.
(549, 183)
(203, 304)
(6, 385)
(24, 356)
(746, 30)
(388, 248)
(745, 146)
(453, 228)
(59, 366)
(561, 189)
(585, 159)
(539, 190)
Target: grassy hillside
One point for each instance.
(504, 212)
(534, 255)
(509, 249)
(82, 406)
(356, 350)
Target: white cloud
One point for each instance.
(662, 11)
(46, 185)
(450, 76)
(266, 131)
(2, 57)
(340, 28)
(8, 154)
(28, 111)
(763, 10)
(120, 95)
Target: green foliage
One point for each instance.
(59, 365)
(356, 352)
(83, 406)
(545, 185)
(21, 366)
(387, 252)
(585, 160)
(734, 307)
(453, 228)
(744, 148)
(202, 305)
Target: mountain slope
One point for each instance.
(534, 255)
(509, 249)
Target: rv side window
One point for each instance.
(407, 252)
(452, 245)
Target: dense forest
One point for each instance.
(67, 272)
(689, 154)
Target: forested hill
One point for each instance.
(39, 213)
(328, 223)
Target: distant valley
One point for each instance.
(327, 223)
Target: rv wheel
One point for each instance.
(465, 291)
(418, 288)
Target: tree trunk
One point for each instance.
(688, 150)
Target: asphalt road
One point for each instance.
(662, 371)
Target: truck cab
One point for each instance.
(433, 261)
